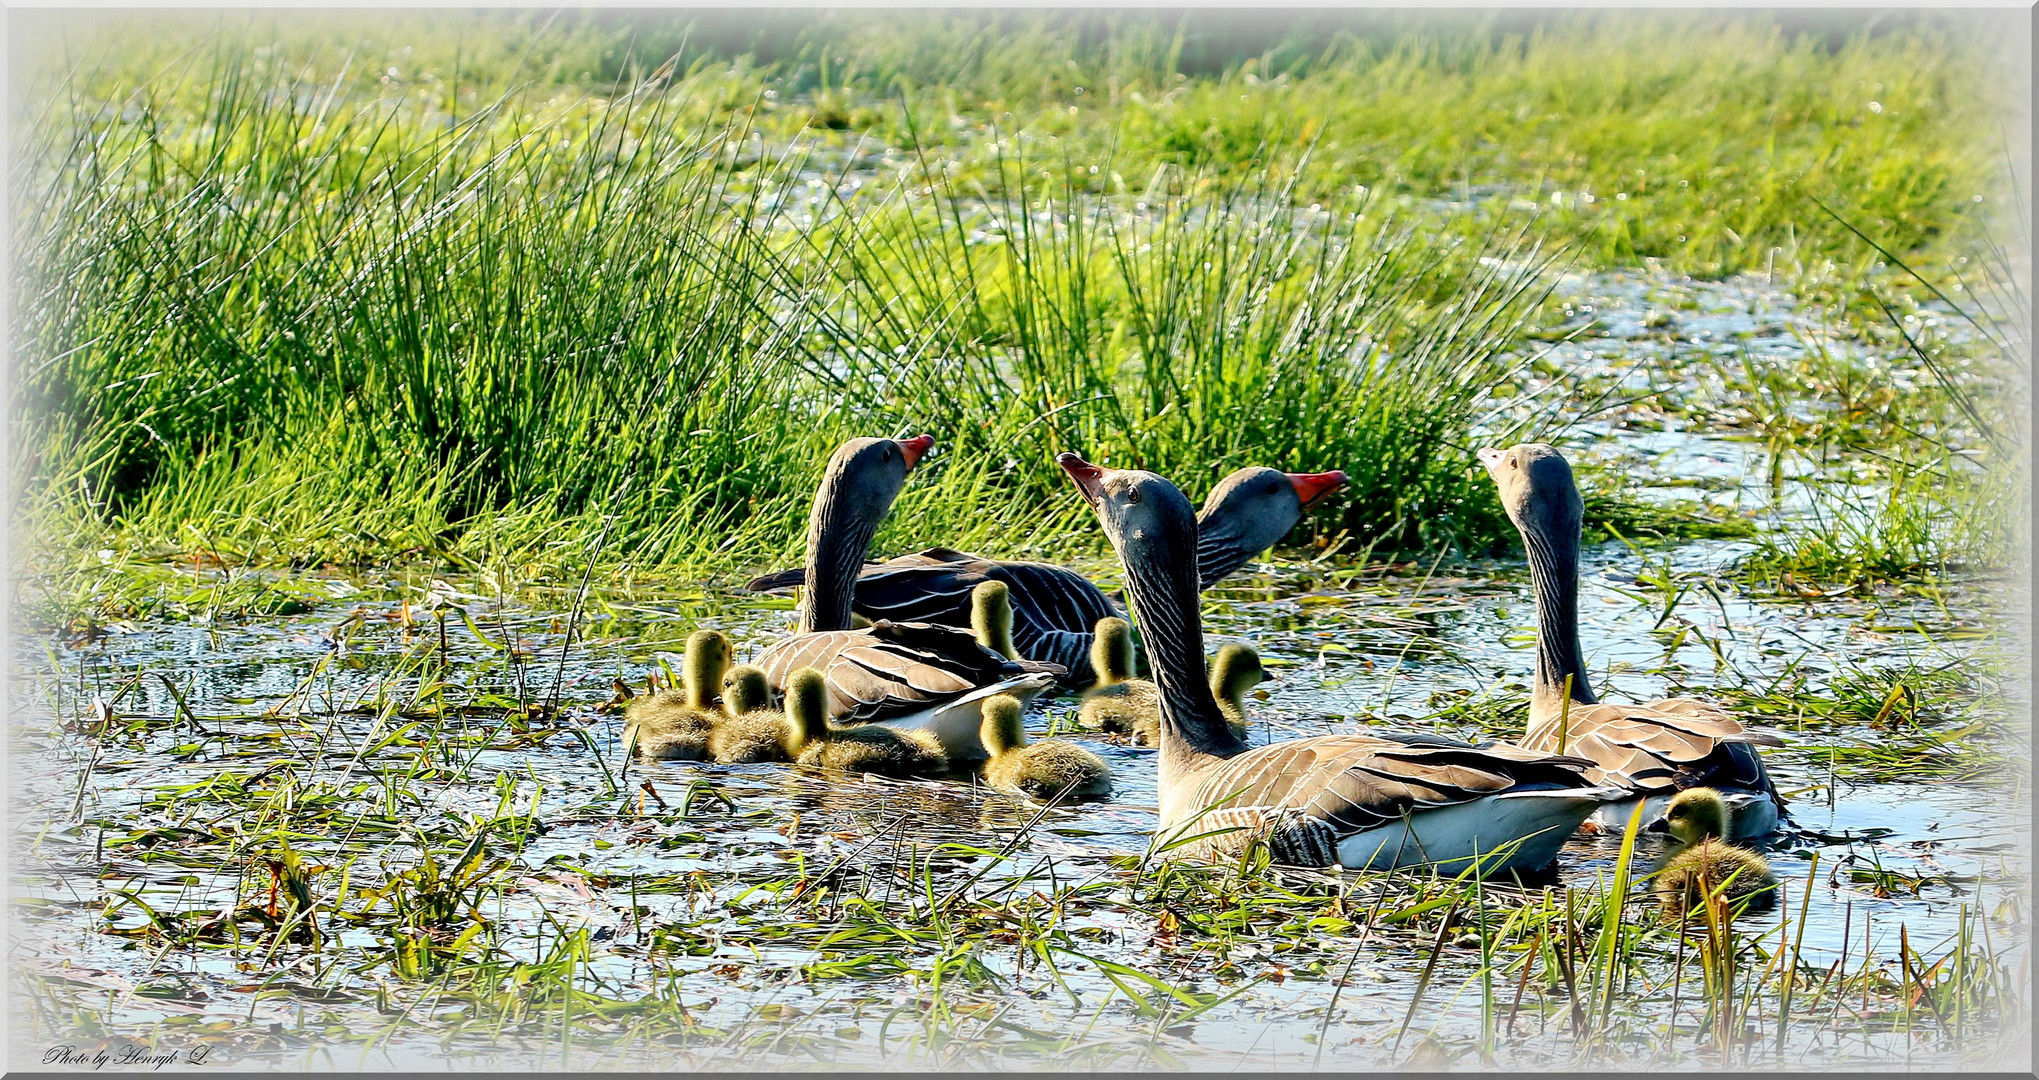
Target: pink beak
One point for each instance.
(1490, 457)
(915, 448)
(1089, 478)
(1311, 487)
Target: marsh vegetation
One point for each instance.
(385, 394)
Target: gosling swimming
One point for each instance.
(753, 731)
(674, 725)
(1697, 819)
(865, 748)
(1042, 770)
(1133, 706)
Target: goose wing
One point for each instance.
(1356, 782)
(1666, 745)
(892, 669)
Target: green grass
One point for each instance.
(345, 292)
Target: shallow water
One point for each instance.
(1381, 648)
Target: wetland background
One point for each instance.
(383, 392)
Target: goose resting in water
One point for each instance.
(866, 748)
(903, 675)
(1704, 864)
(1357, 801)
(674, 725)
(1120, 704)
(1054, 607)
(1042, 770)
(1653, 750)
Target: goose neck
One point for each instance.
(837, 539)
(1560, 662)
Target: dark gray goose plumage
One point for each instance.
(1359, 801)
(1054, 607)
(905, 675)
(1654, 750)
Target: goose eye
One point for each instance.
(1512, 463)
(1133, 495)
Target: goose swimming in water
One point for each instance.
(1357, 801)
(1653, 750)
(904, 675)
(1055, 608)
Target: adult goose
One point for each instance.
(905, 675)
(1055, 608)
(1357, 801)
(1653, 750)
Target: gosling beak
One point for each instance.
(1310, 487)
(1089, 478)
(915, 448)
(1660, 825)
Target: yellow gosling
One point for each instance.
(1042, 770)
(865, 748)
(1697, 819)
(674, 725)
(753, 731)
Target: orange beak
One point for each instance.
(1089, 478)
(1310, 487)
(915, 448)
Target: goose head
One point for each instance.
(707, 660)
(857, 490)
(1695, 814)
(1252, 509)
(1111, 650)
(1537, 490)
(806, 709)
(1002, 731)
(745, 690)
(1154, 531)
(991, 617)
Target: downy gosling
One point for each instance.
(1123, 704)
(753, 731)
(1697, 819)
(864, 748)
(1041, 770)
(674, 725)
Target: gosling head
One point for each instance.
(1236, 671)
(1002, 731)
(1695, 814)
(991, 617)
(1537, 489)
(745, 690)
(1111, 650)
(807, 707)
(707, 661)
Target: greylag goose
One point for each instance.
(1698, 819)
(674, 725)
(1133, 706)
(866, 748)
(753, 731)
(1357, 801)
(1055, 608)
(904, 675)
(1042, 770)
(1653, 750)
